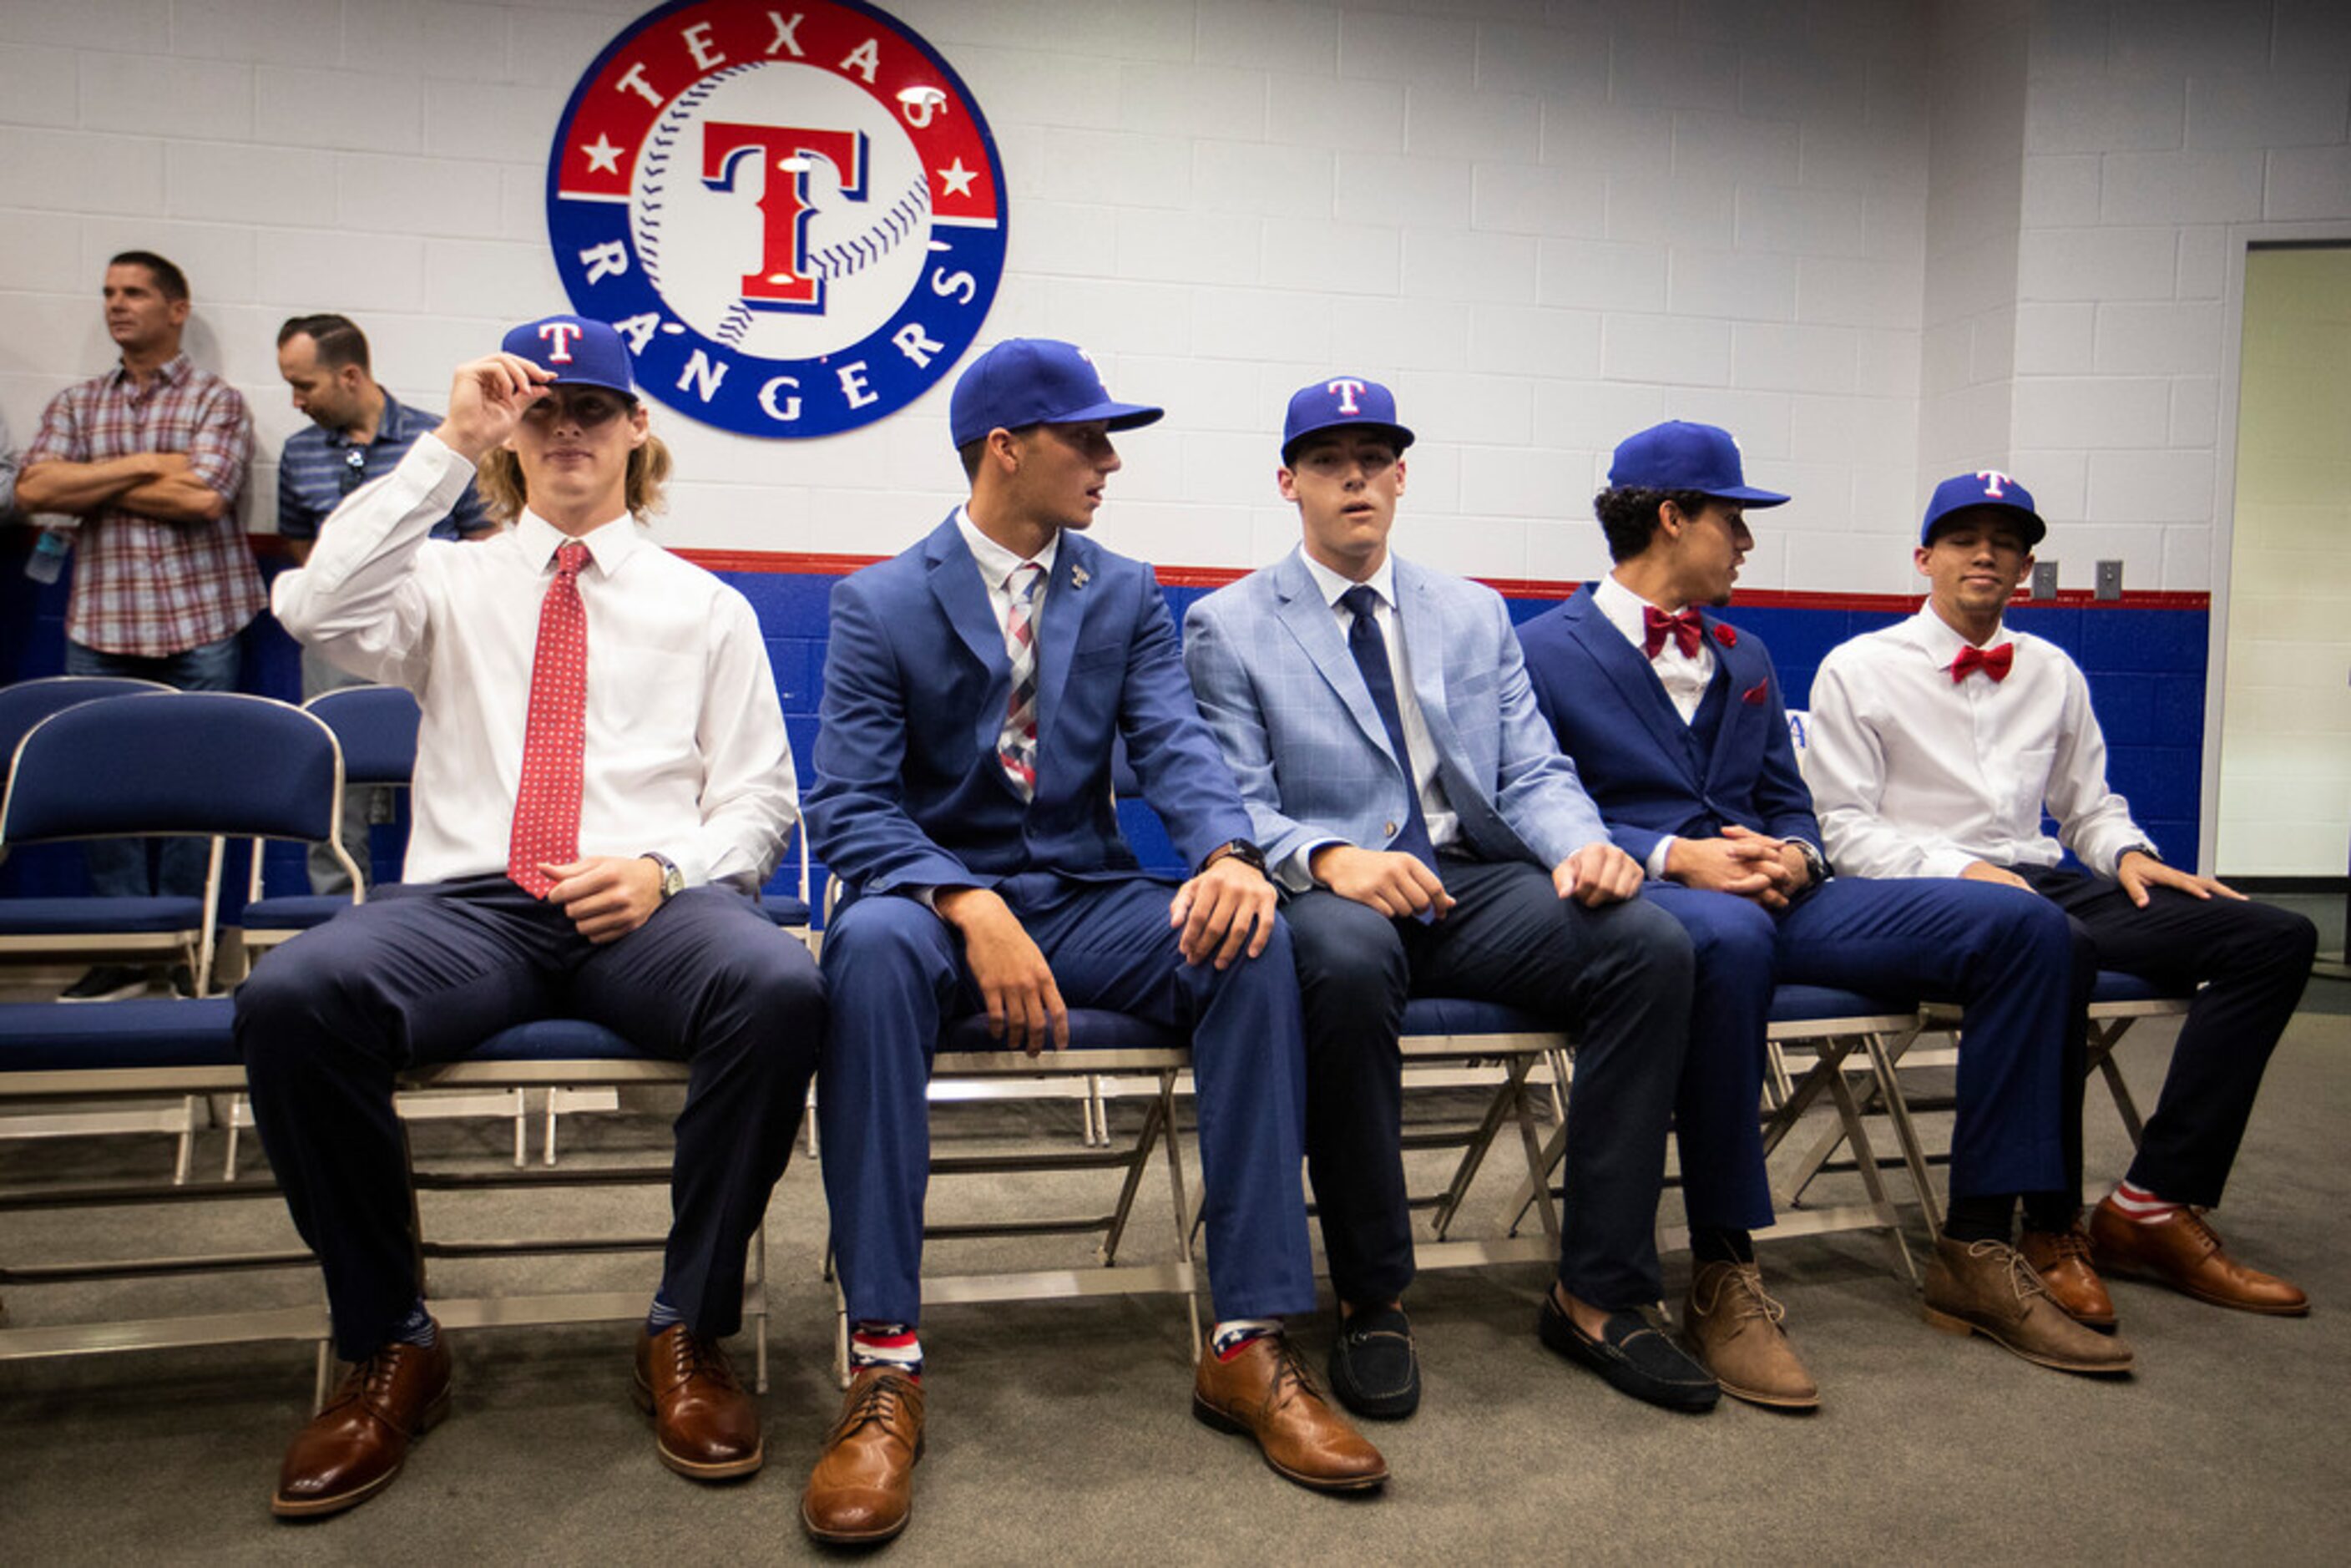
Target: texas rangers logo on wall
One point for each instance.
(793, 213)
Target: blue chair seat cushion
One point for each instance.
(1804, 1004)
(558, 1040)
(2114, 986)
(1462, 1015)
(97, 916)
(293, 911)
(784, 909)
(149, 1032)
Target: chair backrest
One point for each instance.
(207, 763)
(27, 702)
(376, 726)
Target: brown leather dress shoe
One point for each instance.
(1265, 1392)
(1734, 1328)
(354, 1448)
(1987, 1288)
(2061, 1258)
(862, 1488)
(705, 1426)
(2180, 1250)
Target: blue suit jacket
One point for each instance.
(1278, 685)
(1646, 768)
(908, 791)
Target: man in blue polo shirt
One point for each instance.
(358, 432)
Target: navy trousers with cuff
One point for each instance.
(895, 973)
(1619, 976)
(2252, 961)
(425, 973)
(2014, 969)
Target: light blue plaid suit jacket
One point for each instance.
(1276, 682)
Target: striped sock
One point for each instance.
(417, 1328)
(895, 1345)
(1234, 1333)
(2137, 1203)
(662, 1316)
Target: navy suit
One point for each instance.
(1988, 948)
(909, 795)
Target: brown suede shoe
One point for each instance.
(1265, 1392)
(862, 1488)
(2180, 1250)
(2061, 1258)
(705, 1427)
(1987, 1288)
(1734, 1328)
(354, 1448)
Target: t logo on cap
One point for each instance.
(558, 336)
(1358, 401)
(1345, 391)
(1993, 480)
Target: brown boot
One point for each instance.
(2061, 1258)
(1734, 1328)
(2180, 1250)
(1987, 1288)
(354, 1447)
(862, 1488)
(1265, 1393)
(705, 1427)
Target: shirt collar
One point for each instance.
(1623, 609)
(609, 543)
(1333, 586)
(1942, 644)
(170, 373)
(995, 562)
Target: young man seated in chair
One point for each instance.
(601, 783)
(1936, 746)
(974, 687)
(1674, 719)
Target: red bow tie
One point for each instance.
(1992, 662)
(1685, 628)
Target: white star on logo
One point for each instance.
(958, 178)
(603, 156)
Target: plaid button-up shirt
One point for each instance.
(141, 585)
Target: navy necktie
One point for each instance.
(1371, 652)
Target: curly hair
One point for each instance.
(1628, 514)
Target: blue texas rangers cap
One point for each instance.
(581, 352)
(1340, 401)
(1023, 382)
(1681, 455)
(1984, 487)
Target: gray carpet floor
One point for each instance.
(1065, 1430)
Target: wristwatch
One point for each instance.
(673, 882)
(1816, 864)
(1241, 850)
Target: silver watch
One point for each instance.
(673, 881)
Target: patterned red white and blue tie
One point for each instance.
(1016, 744)
(547, 801)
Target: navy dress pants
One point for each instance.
(1998, 953)
(1618, 975)
(895, 973)
(425, 973)
(2252, 960)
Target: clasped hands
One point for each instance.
(1747, 864)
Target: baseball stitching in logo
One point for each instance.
(795, 219)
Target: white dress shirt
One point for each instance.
(1684, 676)
(1917, 776)
(684, 751)
(998, 564)
(1444, 824)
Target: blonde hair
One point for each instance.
(499, 476)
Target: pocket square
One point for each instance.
(1753, 696)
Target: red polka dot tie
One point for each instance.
(547, 803)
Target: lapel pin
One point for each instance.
(1077, 577)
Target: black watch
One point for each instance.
(1241, 850)
(673, 881)
(1815, 864)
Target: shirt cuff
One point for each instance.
(1655, 865)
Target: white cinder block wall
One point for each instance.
(1548, 222)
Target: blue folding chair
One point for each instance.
(376, 726)
(27, 702)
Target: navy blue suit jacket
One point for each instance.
(1651, 774)
(908, 791)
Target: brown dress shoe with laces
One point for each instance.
(354, 1447)
(862, 1488)
(1734, 1328)
(2061, 1258)
(1265, 1392)
(2180, 1250)
(1987, 1288)
(705, 1426)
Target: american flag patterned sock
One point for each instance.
(895, 1345)
(1233, 1334)
(2137, 1203)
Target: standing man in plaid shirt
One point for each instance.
(146, 461)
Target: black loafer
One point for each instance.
(1374, 1369)
(1635, 1355)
